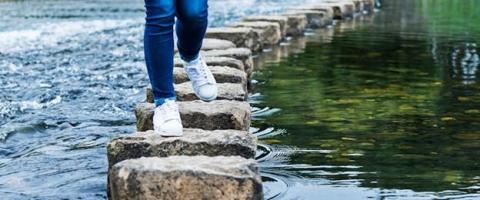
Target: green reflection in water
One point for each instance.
(396, 94)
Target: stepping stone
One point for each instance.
(330, 12)
(296, 24)
(226, 91)
(281, 20)
(216, 44)
(218, 61)
(242, 54)
(269, 32)
(193, 142)
(315, 19)
(219, 114)
(222, 74)
(241, 37)
(213, 44)
(344, 7)
(186, 177)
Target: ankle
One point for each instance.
(192, 59)
(161, 101)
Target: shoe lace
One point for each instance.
(198, 73)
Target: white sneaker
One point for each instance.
(203, 82)
(166, 119)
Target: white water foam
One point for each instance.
(49, 34)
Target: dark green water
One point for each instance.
(385, 107)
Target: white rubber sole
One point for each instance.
(207, 100)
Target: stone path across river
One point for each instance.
(215, 157)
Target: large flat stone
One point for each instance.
(193, 142)
(219, 114)
(330, 12)
(345, 8)
(186, 178)
(315, 18)
(296, 24)
(240, 36)
(215, 44)
(222, 74)
(269, 32)
(218, 61)
(242, 54)
(281, 20)
(226, 91)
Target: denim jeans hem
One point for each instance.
(161, 101)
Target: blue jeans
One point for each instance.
(190, 27)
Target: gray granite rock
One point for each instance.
(193, 142)
(269, 32)
(341, 9)
(219, 114)
(241, 36)
(212, 44)
(296, 24)
(222, 74)
(330, 12)
(186, 178)
(226, 91)
(218, 61)
(315, 18)
(281, 20)
(346, 8)
(242, 54)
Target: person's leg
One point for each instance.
(191, 26)
(158, 41)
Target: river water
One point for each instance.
(383, 107)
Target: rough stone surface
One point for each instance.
(226, 91)
(346, 8)
(330, 12)
(269, 32)
(214, 44)
(218, 61)
(340, 9)
(242, 54)
(281, 20)
(211, 44)
(193, 142)
(214, 115)
(222, 74)
(186, 178)
(315, 18)
(296, 24)
(240, 36)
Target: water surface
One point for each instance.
(384, 107)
